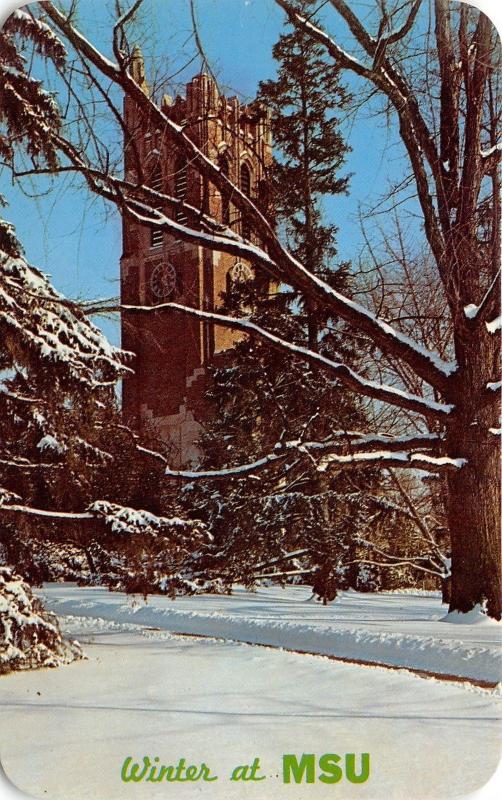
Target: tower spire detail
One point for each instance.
(138, 69)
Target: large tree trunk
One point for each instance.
(474, 491)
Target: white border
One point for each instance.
(493, 789)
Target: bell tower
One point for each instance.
(166, 393)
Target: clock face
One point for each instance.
(241, 273)
(162, 281)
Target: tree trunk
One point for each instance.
(446, 589)
(474, 490)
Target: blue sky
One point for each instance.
(76, 238)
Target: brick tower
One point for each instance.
(165, 395)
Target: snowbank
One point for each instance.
(395, 630)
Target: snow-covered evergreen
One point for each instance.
(27, 112)
(72, 476)
(29, 635)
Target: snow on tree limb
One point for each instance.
(220, 241)
(341, 440)
(121, 520)
(6, 496)
(23, 464)
(495, 324)
(337, 453)
(488, 304)
(124, 520)
(403, 563)
(18, 508)
(497, 148)
(387, 458)
(29, 27)
(29, 635)
(19, 398)
(345, 374)
(228, 472)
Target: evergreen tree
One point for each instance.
(291, 517)
(29, 636)
(64, 452)
(27, 111)
(294, 517)
(304, 102)
(62, 447)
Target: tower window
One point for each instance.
(246, 189)
(156, 183)
(180, 188)
(246, 180)
(225, 202)
(156, 234)
(156, 179)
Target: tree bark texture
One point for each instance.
(474, 491)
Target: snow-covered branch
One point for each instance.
(62, 337)
(338, 453)
(228, 472)
(19, 398)
(405, 563)
(491, 157)
(120, 520)
(354, 441)
(387, 458)
(287, 574)
(286, 557)
(342, 372)
(24, 464)
(30, 511)
(123, 520)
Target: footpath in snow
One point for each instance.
(402, 630)
(66, 733)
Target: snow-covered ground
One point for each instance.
(393, 629)
(66, 733)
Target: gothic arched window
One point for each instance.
(156, 182)
(156, 178)
(225, 202)
(181, 187)
(246, 189)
